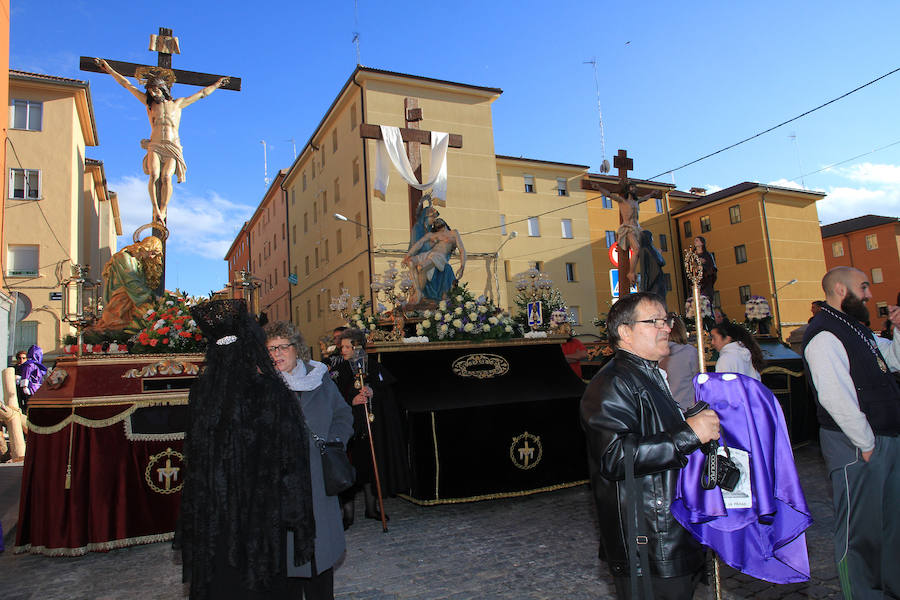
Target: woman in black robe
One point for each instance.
(388, 432)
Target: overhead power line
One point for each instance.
(774, 127)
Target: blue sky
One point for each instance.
(677, 81)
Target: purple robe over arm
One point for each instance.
(766, 539)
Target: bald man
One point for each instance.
(858, 402)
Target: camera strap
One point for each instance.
(634, 533)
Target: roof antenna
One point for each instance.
(355, 39)
(604, 165)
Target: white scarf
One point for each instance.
(299, 380)
(390, 148)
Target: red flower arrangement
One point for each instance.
(168, 327)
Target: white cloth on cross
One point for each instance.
(390, 147)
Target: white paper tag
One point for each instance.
(742, 496)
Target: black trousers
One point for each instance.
(317, 587)
(664, 588)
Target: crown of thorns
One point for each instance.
(155, 76)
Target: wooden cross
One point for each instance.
(623, 163)
(413, 137)
(165, 45)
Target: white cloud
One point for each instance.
(712, 188)
(203, 225)
(871, 173)
(787, 183)
(848, 202)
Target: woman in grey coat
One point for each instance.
(330, 418)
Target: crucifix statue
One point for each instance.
(628, 236)
(164, 156)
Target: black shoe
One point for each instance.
(374, 514)
(347, 522)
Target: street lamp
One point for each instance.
(80, 301)
(512, 235)
(341, 217)
(777, 305)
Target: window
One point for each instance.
(744, 292)
(659, 206)
(499, 182)
(315, 212)
(575, 315)
(570, 272)
(562, 188)
(663, 242)
(734, 214)
(877, 275)
(358, 219)
(837, 249)
(306, 262)
(284, 268)
(360, 283)
(534, 229)
(740, 254)
(316, 258)
(22, 260)
(26, 114)
(327, 253)
(337, 191)
(294, 233)
(322, 154)
(687, 229)
(872, 241)
(667, 279)
(318, 305)
(607, 202)
(324, 203)
(355, 171)
(25, 183)
(312, 167)
(507, 270)
(308, 309)
(293, 196)
(352, 116)
(305, 222)
(26, 335)
(339, 243)
(539, 265)
(610, 238)
(529, 184)
(566, 228)
(704, 224)
(502, 224)
(333, 142)
(304, 181)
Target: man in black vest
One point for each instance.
(858, 402)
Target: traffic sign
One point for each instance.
(614, 283)
(292, 278)
(614, 254)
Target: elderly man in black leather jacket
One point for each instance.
(629, 397)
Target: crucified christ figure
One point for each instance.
(164, 154)
(629, 233)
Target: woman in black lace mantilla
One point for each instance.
(247, 479)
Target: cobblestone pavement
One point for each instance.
(541, 546)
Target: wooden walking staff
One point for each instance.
(370, 418)
(693, 268)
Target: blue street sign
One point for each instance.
(614, 283)
(292, 278)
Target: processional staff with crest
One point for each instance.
(164, 157)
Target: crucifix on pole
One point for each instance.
(164, 156)
(413, 136)
(628, 236)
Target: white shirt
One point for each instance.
(830, 370)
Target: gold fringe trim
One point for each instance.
(781, 371)
(96, 547)
(93, 423)
(497, 496)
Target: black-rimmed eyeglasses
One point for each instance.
(279, 348)
(659, 323)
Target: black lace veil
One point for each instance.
(247, 455)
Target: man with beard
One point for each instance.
(164, 155)
(859, 414)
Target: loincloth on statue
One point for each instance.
(626, 234)
(165, 150)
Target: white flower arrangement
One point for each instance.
(419, 339)
(757, 309)
(705, 308)
(535, 334)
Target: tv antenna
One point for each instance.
(604, 165)
(293, 146)
(793, 138)
(355, 39)
(265, 164)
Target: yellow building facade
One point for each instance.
(763, 238)
(58, 209)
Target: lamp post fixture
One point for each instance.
(778, 305)
(249, 286)
(80, 300)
